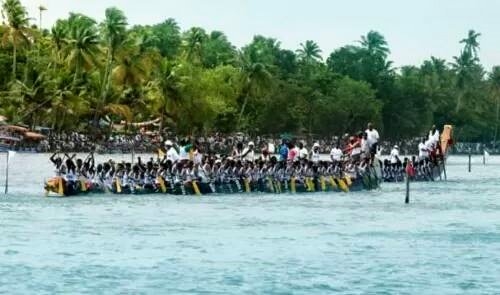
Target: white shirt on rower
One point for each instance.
(172, 155)
(197, 158)
(183, 153)
(434, 136)
(373, 136)
(336, 154)
(315, 156)
(303, 153)
(365, 146)
(423, 151)
(394, 156)
(249, 154)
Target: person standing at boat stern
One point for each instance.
(372, 138)
(172, 153)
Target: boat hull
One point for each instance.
(57, 186)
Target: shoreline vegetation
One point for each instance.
(81, 75)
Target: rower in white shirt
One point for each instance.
(248, 153)
(336, 154)
(172, 154)
(434, 135)
(303, 153)
(395, 154)
(423, 150)
(373, 138)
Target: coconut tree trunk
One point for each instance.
(14, 59)
(459, 102)
(242, 111)
(77, 70)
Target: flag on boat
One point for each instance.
(11, 155)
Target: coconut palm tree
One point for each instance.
(471, 44)
(165, 96)
(59, 37)
(217, 50)
(255, 77)
(193, 42)
(82, 44)
(18, 32)
(375, 44)
(114, 30)
(309, 51)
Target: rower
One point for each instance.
(237, 151)
(248, 153)
(172, 154)
(394, 155)
(434, 135)
(336, 154)
(185, 150)
(315, 155)
(293, 152)
(283, 151)
(423, 150)
(373, 138)
(302, 152)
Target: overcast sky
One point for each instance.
(414, 29)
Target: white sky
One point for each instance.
(414, 29)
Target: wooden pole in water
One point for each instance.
(470, 160)
(7, 175)
(444, 168)
(407, 199)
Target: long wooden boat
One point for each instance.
(369, 180)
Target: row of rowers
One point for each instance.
(362, 146)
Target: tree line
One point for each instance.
(81, 73)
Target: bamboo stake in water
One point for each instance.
(407, 199)
(7, 175)
(470, 160)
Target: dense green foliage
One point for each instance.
(82, 72)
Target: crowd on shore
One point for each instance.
(75, 142)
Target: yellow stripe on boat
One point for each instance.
(323, 183)
(311, 185)
(83, 184)
(60, 191)
(162, 184)
(247, 185)
(332, 182)
(196, 188)
(343, 186)
(278, 186)
(270, 184)
(118, 185)
(348, 180)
